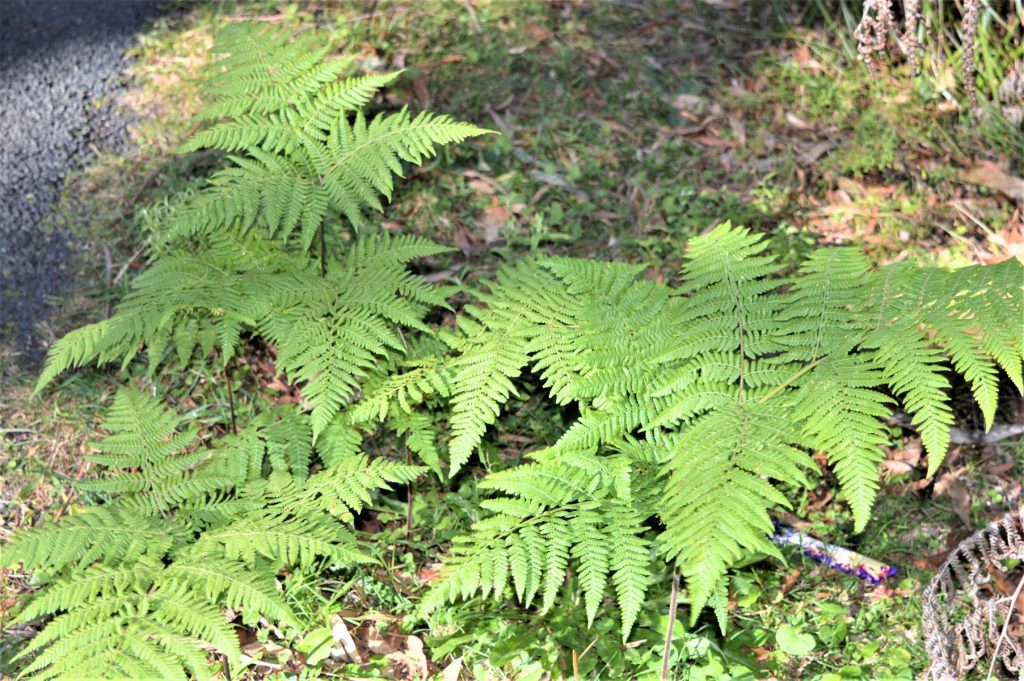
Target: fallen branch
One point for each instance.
(960, 436)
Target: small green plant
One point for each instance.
(233, 269)
(136, 586)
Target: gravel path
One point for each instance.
(61, 66)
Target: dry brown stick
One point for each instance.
(124, 268)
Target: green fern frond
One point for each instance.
(64, 594)
(345, 488)
(232, 583)
(556, 516)
(843, 415)
(264, 70)
(339, 441)
(297, 158)
(718, 493)
(140, 581)
(737, 374)
(108, 534)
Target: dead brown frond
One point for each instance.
(972, 608)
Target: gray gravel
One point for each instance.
(61, 66)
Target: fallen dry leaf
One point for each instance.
(797, 122)
(802, 56)
(345, 646)
(946, 480)
(905, 460)
(452, 671)
(709, 141)
(817, 151)
(737, 127)
(405, 653)
(990, 175)
(538, 32)
(791, 580)
(492, 221)
(689, 105)
(482, 184)
(960, 499)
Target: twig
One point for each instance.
(587, 649)
(124, 268)
(108, 264)
(980, 437)
(995, 238)
(673, 605)
(1006, 627)
(575, 666)
(960, 436)
(473, 17)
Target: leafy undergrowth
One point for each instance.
(624, 134)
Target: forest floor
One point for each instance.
(625, 129)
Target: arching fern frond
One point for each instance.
(725, 384)
(264, 69)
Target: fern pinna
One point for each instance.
(135, 586)
(699, 402)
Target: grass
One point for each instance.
(624, 134)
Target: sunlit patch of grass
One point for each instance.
(879, 157)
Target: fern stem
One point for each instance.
(788, 382)
(323, 252)
(673, 606)
(410, 499)
(231, 398)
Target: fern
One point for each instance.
(297, 159)
(263, 70)
(133, 586)
(330, 332)
(303, 154)
(710, 396)
(699, 403)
